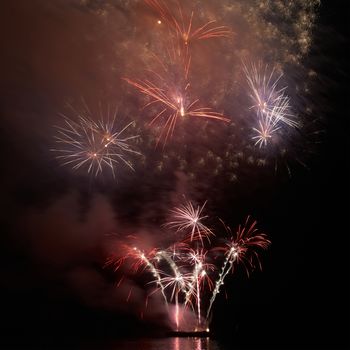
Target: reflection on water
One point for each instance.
(175, 343)
(193, 343)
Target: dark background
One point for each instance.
(300, 301)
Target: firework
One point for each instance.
(170, 259)
(188, 218)
(197, 258)
(172, 96)
(183, 271)
(177, 279)
(140, 260)
(178, 284)
(239, 248)
(174, 104)
(92, 145)
(267, 126)
(270, 102)
(177, 88)
(183, 27)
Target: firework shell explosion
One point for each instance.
(184, 272)
(218, 91)
(233, 72)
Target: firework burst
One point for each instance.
(184, 272)
(169, 86)
(188, 218)
(270, 102)
(140, 261)
(198, 258)
(240, 248)
(94, 146)
(183, 26)
(174, 104)
(266, 128)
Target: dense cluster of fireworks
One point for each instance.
(194, 267)
(263, 122)
(217, 97)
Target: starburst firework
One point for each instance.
(188, 218)
(94, 146)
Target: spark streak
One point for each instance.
(198, 258)
(140, 259)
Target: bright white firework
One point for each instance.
(188, 218)
(178, 276)
(241, 247)
(92, 145)
(177, 283)
(269, 100)
(267, 126)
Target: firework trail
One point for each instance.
(239, 248)
(179, 277)
(140, 260)
(93, 145)
(197, 258)
(178, 283)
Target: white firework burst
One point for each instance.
(269, 100)
(94, 146)
(188, 218)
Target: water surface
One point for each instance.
(171, 343)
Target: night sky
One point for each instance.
(57, 225)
